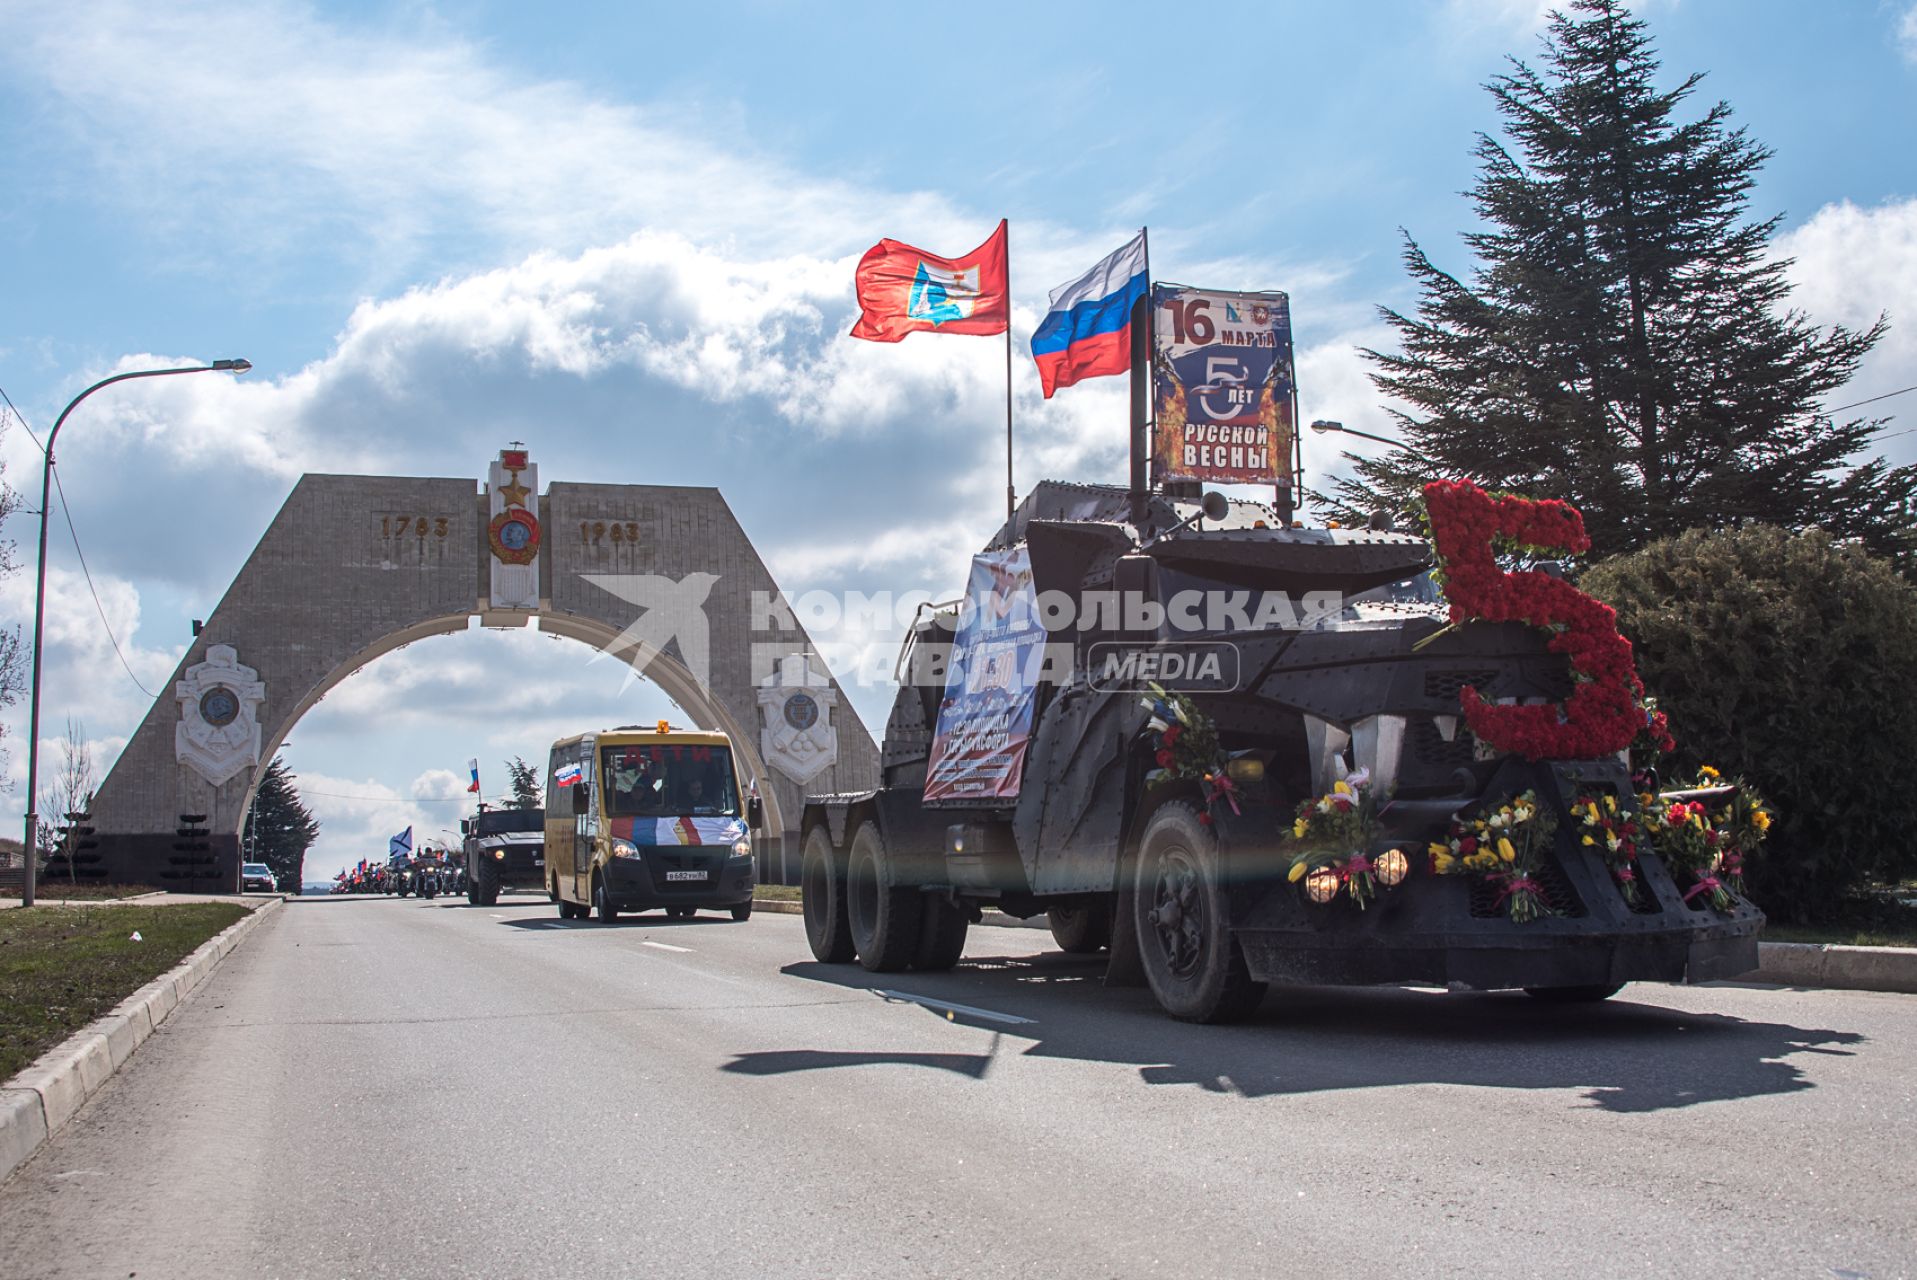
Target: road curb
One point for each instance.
(37, 1101)
(1785, 964)
(1822, 964)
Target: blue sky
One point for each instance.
(625, 234)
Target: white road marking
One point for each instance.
(1011, 1019)
(665, 946)
(497, 916)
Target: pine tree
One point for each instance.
(1624, 340)
(525, 784)
(280, 829)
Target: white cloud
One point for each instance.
(1907, 34)
(288, 124)
(709, 348)
(439, 784)
(1851, 264)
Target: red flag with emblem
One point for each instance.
(906, 290)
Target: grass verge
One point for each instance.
(61, 891)
(1839, 935)
(777, 892)
(1885, 918)
(62, 967)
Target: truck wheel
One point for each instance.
(822, 895)
(1082, 930)
(488, 883)
(1575, 995)
(942, 928)
(472, 893)
(602, 902)
(884, 916)
(1192, 962)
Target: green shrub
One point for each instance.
(1792, 660)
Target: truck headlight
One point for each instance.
(624, 849)
(743, 849)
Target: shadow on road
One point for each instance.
(780, 1063)
(549, 920)
(1625, 1056)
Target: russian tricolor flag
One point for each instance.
(1088, 331)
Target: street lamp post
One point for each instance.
(1324, 425)
(40, 596)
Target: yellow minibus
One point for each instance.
(638, 819)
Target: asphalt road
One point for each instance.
(408, 1089)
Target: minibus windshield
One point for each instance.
(669, 779)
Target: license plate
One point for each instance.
(685, 875)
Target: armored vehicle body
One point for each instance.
(1313, 656)
(504, 849)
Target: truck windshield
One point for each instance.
(669, 779)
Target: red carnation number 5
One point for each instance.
(1604, 713)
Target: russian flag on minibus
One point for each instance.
(1088, 331)
(566, 775)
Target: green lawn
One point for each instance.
(777, 892)
(62, 967)
(57, 890)
(1840, 935)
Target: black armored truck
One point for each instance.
(505, 849)
(1320, 671)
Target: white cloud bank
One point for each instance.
(1851, 264)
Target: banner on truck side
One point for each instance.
(1222, 386)
(991, 687)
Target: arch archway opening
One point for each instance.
(380, 743)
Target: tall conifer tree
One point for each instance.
(1624, 340)
(280, 828)
(524, 780)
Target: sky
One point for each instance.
(625, 234)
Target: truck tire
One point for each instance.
(472, 893)
(487, 878)
(1082, 930)
(1575, 995)
(822, 896)
(884, 916)
(1192, 962)
(942, 928)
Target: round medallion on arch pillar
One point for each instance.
(219, 730)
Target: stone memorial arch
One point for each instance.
(353, 567)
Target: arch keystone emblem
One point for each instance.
(219, 730)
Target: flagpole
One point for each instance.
(1141, 406)
(1011, 493)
